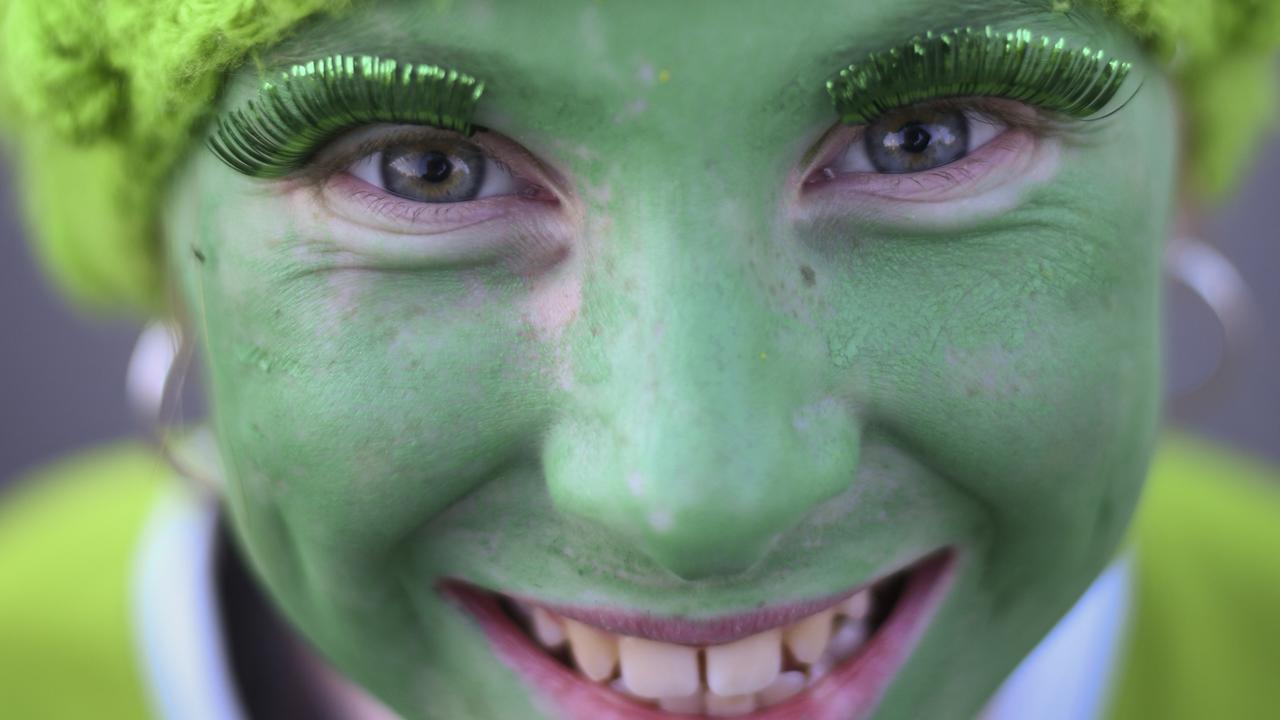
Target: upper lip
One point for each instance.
(716, 630)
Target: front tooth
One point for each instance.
(808, 638)
(595, 651)
(619, 686)
(788, 683)
(688, 705)
(745, 666)
(848, 639)
(547, 628)
(856, 606)
(656, 669)
(728, 705)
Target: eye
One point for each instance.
(916, 139)
(435, 170)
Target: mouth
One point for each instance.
(825, 659)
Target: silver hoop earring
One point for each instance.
(154, 381)
(1208, 274)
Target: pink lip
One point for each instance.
(850, 692)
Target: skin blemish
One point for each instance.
(345, 293)
(198, 254)
(634, 109)
(477, 293)
(661, 520)
(256, 357)
(807, 275)
(554, 304)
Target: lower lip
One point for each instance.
(850, 692)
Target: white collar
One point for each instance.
(176, 614)
(188, 674)
(1069, 674)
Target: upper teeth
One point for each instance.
(719, 680)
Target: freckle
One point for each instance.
(199, 255)
(807, 274)
(661, 520)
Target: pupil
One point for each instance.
(436, 167)
(915, 139)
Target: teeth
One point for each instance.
(690, 705)
(818, 670)
(745, 666)
(619, 685)
(657, 670)
(848, 640)
(808, 638)
(727, 680)
(547, 628)
(787, 684)
(595, 651)
(728, 706)
(856, 606)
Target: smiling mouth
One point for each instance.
(825, 659)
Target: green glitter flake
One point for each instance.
(1018, 65)
(311, 103)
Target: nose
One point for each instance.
(697, 426)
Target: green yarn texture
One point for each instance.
(100, 99)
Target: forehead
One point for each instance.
(580, 50)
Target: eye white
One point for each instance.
(854, 159)
(497, 181)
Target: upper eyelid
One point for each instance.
(276, 133)
(1018, 65)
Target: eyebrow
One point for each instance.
(297, 110)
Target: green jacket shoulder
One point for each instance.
(68, 536)
(1204, 638)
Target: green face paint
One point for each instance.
(693, 356)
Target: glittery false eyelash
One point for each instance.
(965, 62)
(310, 104)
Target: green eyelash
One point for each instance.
(312, 103)
(1077, 82)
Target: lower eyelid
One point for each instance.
(382, 204)
(999, 160)
(357, 201)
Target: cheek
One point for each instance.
(1018, 361)
(352, 402)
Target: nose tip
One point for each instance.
(706, 497)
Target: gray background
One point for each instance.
(62, 373)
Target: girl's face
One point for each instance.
(667, 348)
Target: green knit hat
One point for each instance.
(104, 97)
